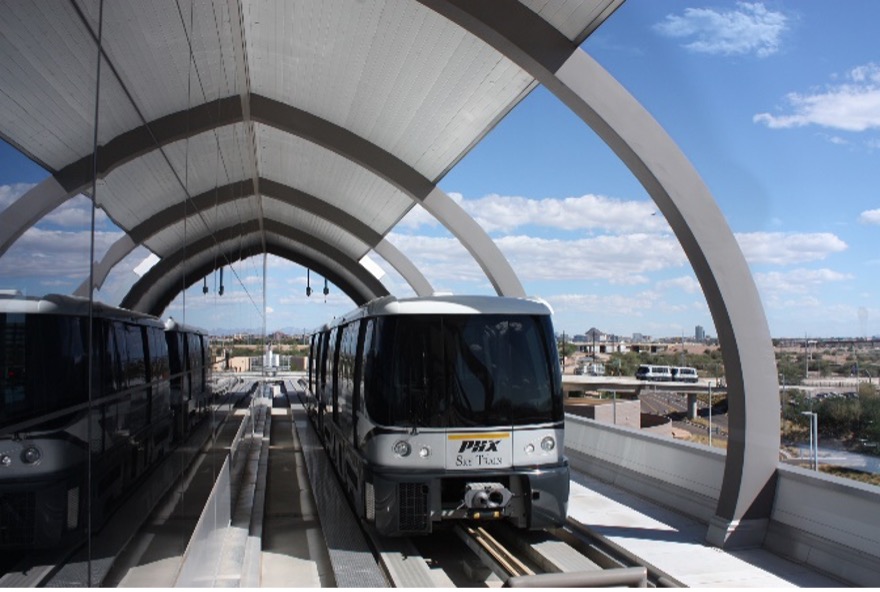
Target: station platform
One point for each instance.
(673, 543)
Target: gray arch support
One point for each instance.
(748, 485)
(244, 190)
(157, 303)
(29, 209)
(229, 110)
(144, 296)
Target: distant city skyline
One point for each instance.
(777, 104)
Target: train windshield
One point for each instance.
(463, 371)
(43, 364)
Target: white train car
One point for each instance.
(443, 408)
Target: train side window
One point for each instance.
(136, 366)
(364, 365)
(322, 374)
(346, 378)
(28, 346)
(117, 357)
(332, 363)
(158, 354)
(312, 363)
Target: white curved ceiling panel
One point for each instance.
(202, 96)
(306, 222)
(149, 44)
(301, 164)
(394, 72)
(47, 103)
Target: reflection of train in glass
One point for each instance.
(48, 426)
(443, 408)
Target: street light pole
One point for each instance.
(814, 439)
(710, 415)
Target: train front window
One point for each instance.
(43, 365)
(463, 370)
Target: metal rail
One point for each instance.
(609, 554)
(492, 553)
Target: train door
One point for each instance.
(358, 381)
(130, 343)
(321, 380)
(332, 378)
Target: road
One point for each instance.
(674, 406)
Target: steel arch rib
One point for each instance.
(29, 209)
(244, 190)
(369, 287)
(747, 488)
(229, 110)
(161, 301)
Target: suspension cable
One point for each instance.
(91, 336)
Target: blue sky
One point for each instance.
(777, 105)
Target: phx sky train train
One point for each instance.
(149, 384)
(443, 408)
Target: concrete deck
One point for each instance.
(673, 543)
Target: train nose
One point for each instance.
(480, 496)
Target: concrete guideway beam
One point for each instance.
(746, 499)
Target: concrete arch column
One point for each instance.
(748, 485)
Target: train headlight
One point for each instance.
(5, 460)
(548, 443)
(401, 448)
(530, 448)
(31, 455)
(425, 451)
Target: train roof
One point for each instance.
(60, 304)
(450, 305)
(173, 325)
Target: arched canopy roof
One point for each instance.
(333, 118)
(362, 107)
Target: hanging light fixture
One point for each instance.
(220, 291)
(205, 286)
(308, 284)
(326, 290)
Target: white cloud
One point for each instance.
(620, 260)
(587, 212)
(500, 213)
(419, 217)
(76, 212)
(42, 253)
(870, 217)
(10, 193)
(685, 283)
(622, 305)
(798, 281)
(851, 106)
(750, 28)
(785, 248)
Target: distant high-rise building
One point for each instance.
(699, 333)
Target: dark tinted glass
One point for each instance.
(43, 365)
(460, 370)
